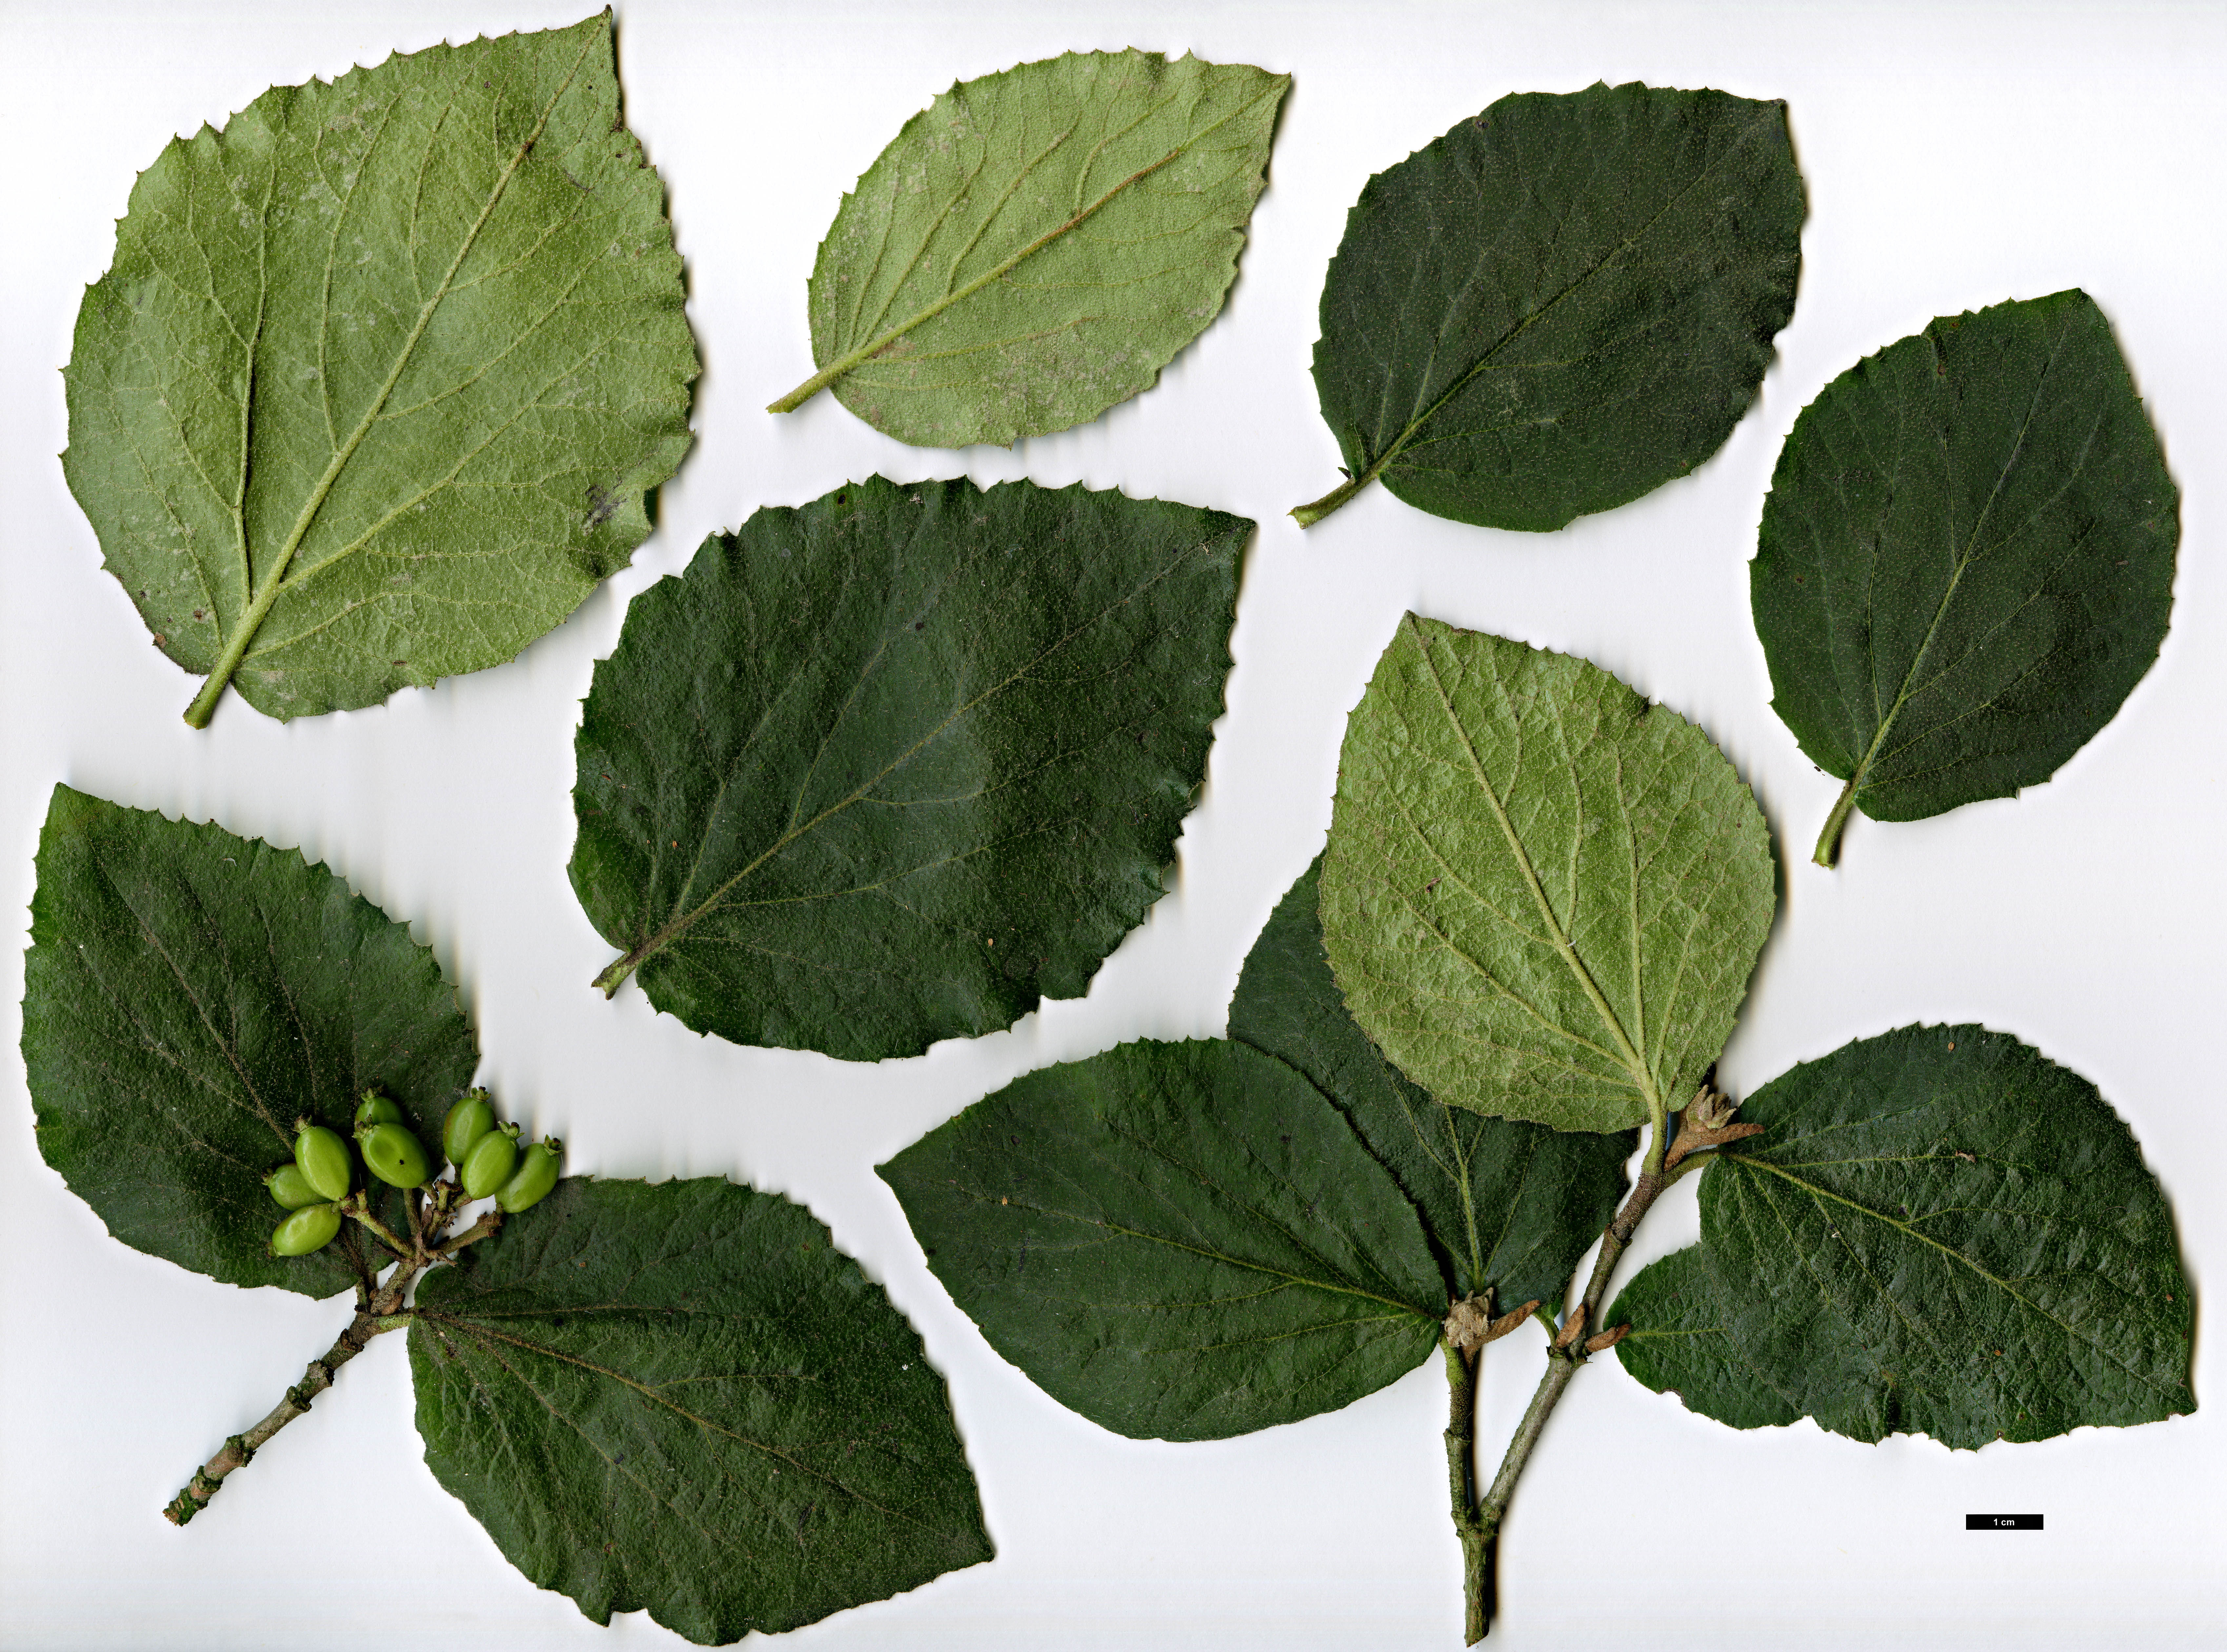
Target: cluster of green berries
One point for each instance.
(484, 1150)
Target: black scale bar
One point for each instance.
(2003, 1522)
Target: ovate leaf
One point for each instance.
(683, 1398)
(1678, 1344)
(187, 997)
(893, 766)
(1036, 246)
(1966, 561)
(1180, 1241)
(1941, 1232)
(1561, 304)
(1509, 1207)
(382, 371)
(1542, 897)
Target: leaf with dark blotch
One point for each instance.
(1966, 561)
(683, 1398)
(1509, 1206)
(1559, 304)
(188, 995)
(1941, 1232)
(1036, 246)
(382, 372)
(1678, 1344)
(1180, 1241)
(893, 766)
(1542, 898)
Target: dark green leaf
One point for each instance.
(1508, 1205)
(1941, 1232)
(1542, 898)
(1036, 246)
(1561, 304)
(188, 995)
(1180, 1241)
(889, 767)
(1678, 1344)
(1966, 561)
(683, 1398)
(382, 371)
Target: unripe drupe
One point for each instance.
(310, 1229)
(489, 1165)
(290, 1188)
(324, 1157)
(535, 1176)
(393, 1155)
(376, 1109)
(469, 1120)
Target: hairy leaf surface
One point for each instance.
(1966, 561)
(1559, 304)
(1036, 246)
(375, 386)
(1678, 1344)
(1179, 1240)
(893, 766)
(188, 996)
(683, 1398)
(1509, 1206)
(1542, 898)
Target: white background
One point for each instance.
(1954, 157)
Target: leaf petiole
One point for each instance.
(1828, 853)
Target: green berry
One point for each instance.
(324, 1161)
(469, 1120)
(290, 1188)
(392, 1154)
(536, 1176)
(489, 1165)
(310, 1229)
(376, 1109)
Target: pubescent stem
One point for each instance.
(1829, 841)
(1308, 516)
(1476, 1544)
(614, 978)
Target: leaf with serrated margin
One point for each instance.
(1966, 560)
(683, 1398)
(1509, 1206)
(375, 386)
(1542, 898)
(893, 766)
(188, 996)
(1180, 1241)
(1941, 1232)
(1561, 304)
(1036, 246)
(1678, 1344)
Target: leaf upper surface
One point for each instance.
(1510, 1206)
(1036, 244)
(683, 1398)
(1542, 898)
(188, 995)
(1966, 559)
(1561, 304)
(1180, 1241)
(889, 767)
(1679, 1344)
(375, 386)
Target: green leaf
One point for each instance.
(1036, 246)
(683, 1398)
(1507, 1206)
(1561, 304)
(1180, 1241)
(1966, 561)
(1678, 1344)
(1542, 898)
(1941, 1232)
(188, 995)
(375, 386)
(893, 766)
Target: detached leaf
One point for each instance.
(683, 1398)
(1678, 1344)
(1036, 246)
(1966, 561)
(1542, 898)
(1507, 1206)
(1561, 304)
(1180, 1241)
(382, 371)
(891, 767)
(189, 994)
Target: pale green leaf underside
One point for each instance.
(375, 386)
(1542, 898)
(1036, 244)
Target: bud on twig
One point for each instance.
(1706, 1122)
